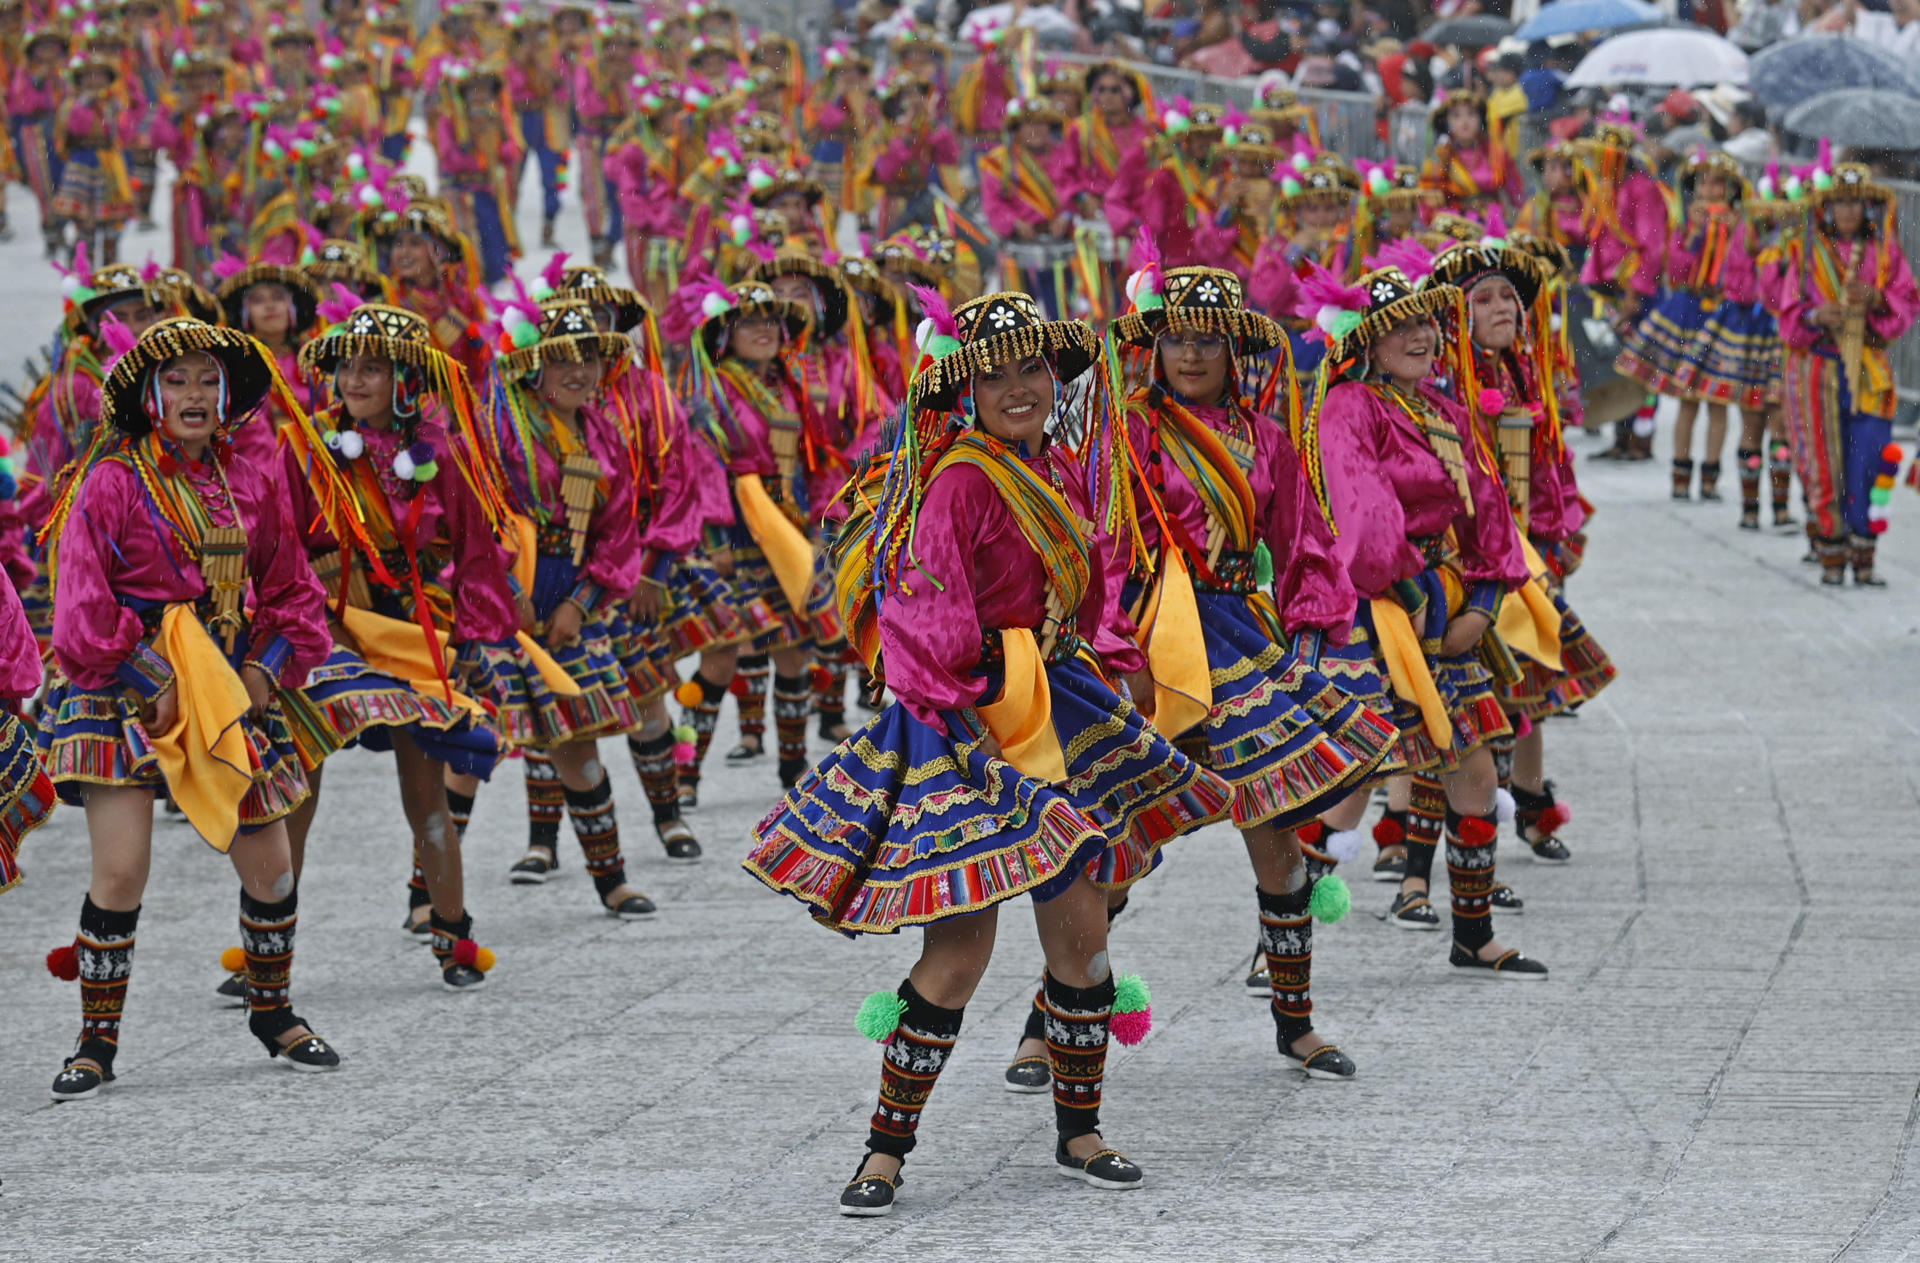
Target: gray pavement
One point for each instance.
(1722, 1065)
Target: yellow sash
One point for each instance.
(1531, 625)
(204, 756)
(399, 649)
(1407, 669)
(1170, 634)
(787, 550)
(1022, 720)
(526, 556)
(552, 674)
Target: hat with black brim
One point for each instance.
(305, 292)
(1201, 300)
(795, 259)
(382, 331)
(998, 329)
(249, 371)
(1464, 266)
(568, 335)
(589, 282)
(751, 299)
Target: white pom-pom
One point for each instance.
(1137, 282)
(350, 444)
(1503, 806)
(403, 465)
(1342, 844)
(1877, 513)
(1553, 322)
(68, 285)
(715, 306)
(512, 318)
(1325, 317)
(370, 196)
(923, 334)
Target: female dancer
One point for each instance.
(26, 795)
(166, 681)
(421, 253)
(1242, 567)
(947, 803)
(380, 483)
(1470, 167)
(1423, 528)
(560, 462)
(1707, 340)
(277, 305)
(1849, 292)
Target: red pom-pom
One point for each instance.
(1477, 832)
(1492, 402)
(1892, 454)
(819, 679)
(1387, 831)
(739, 686)
(1561, 814)
(1879, 526)
(465, 952)
(1311, 832)
(1131, 1028)
(64, 963)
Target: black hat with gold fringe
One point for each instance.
(864, 275)
(1554, 257)
(722, 307)
(1318, 182)
(1850, 181)
(764, 185)
(301, 288)
(1350, 317)
(174, 288)
(1465, 265)
(345, 263)
(1718, 162)
(1437, 116)
(1250, 139)
(996, 329)
(249, 371)
(589, 281)
(568, 334)
(423, 216)
(795, 259)
(380, 330)
(1022, 110)
(1199, 300)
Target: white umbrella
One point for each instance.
(1665, 56)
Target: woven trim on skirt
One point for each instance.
(1465, 688)
(346, 702)
(26, 795)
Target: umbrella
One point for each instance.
(1864, 117)
(1568, 17)
(1789, 72)
(1668, 56)
(1477, 31)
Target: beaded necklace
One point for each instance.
(178, 490)
(1441, 437)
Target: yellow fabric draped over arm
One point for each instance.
(1170, 634)
(1022, 720)
(399, 649)
(526, 554)
(1407, 669)
(204, 756)
(788, 552)
(1531, 624)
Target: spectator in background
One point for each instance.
(1739, 123)
(1506, 99)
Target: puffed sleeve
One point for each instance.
(690, 493)
(930, 634)
(1902, 299)
(1002, 213)
(612, 562)
(94, 636)
(1372, 528)
(19, 655)
(1683, 252)
(1272, 287)
(1310, 585)
(1647, 224)
(483, 606)
(1120, 201)
(1797, 301)
(289, 637)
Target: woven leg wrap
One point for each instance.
(417, 896)
(911, 1064)
(1036, 1027)
(1780, 473)
(1470, 877)
(1834, 555)
(104, 946)
(1077, 1046)
(703, 716)
(1750, 459)
(830, 699)
(266, 936)
(460, 807)
(1286, 937)
(599, 833)
(792, 702)
(1426, 816)
(546, 799)
(447, 933)
(653, 761)
(1502, 750)
(755, 672)
(1312, 837)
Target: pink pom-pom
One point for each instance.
(1492, 402)
(684, 753)
(1562, 814)
(1131, 1028)
(1522, 726)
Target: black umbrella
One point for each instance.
(1866, 118)
(1477, 31)
(1789, 72)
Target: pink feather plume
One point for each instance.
(117, 337)
(340, 306)
(934, 308)
(1406, 254)
(227, 265)
(555, 271)
(1320, 288)
(1495, 220)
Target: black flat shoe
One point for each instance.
(632, 908)
(1411, 911)
(746, 753)
(309, 1054)
(420, 930)
(1390, 867)
(870, 1196)
(1512, 964)
(77, 1082)
(457, 977)
(678, 840)
(1549, 851)
(1502, 899)
(533, 868)
(1106, 1169)
(233, 990)
(1029, 1076)
(1325, 1062)
(1258, 984)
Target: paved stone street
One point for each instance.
(1721, 1066)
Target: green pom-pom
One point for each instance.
(1880, 495)
(82, 293)
(1330, 899)
(686, 733)
(1821, 180)
(941, 345)
(426, 472)
(1345, 322)
(1130, 994)
(879, 1015)
(1149, 301)
(1262, 565)
(526, 335)
(1290, 186)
